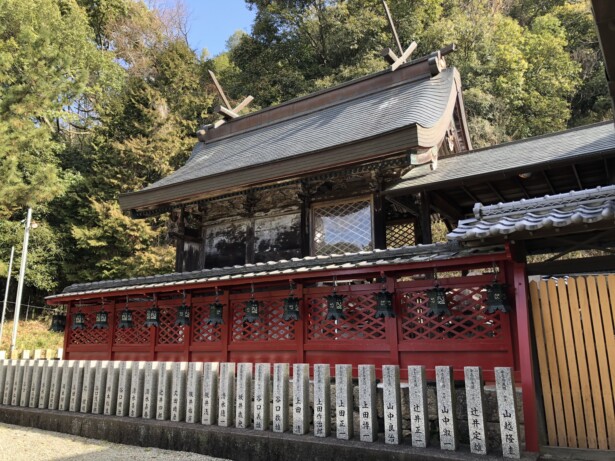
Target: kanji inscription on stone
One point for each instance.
(447, 420)
(475, 402)
(419, 422)
(137, 381)
(301, 398)
(8, 382)
(391, 399)
(150, 390)
(54, 386)
(226, 395)
(280, 397)
(100, 383)
(18, 382)
(262, 394)
(344, 407)
(322, 400)
(76, 387)
(26, 384)
(507, 412)
(193, 392)
(43, 396)
(111, 384)
(178, 391)
(368, 423)
(243, 396)
(163, 391)
(209, 409)
(87, 390)
(67, 379)
(123, 389)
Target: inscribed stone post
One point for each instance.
(419, 422)
(322, 400)
(280, 397)
(243, 405)
(150, 390)
(261, 396)
(507, 412)
(209, 409)
(100, 383)
(193, 392)
(226, 393)
(76, 386)
(43, 396)
(9, 377)
(367, 404)
(87, 391)
(301, 398)
(344, 406)
(18, 381)
(111, 384)
(135, 408)
(123, 388)
(391, 394)
(25, 355)
(38, 354)
(65, 383)
(447, 418)
(37, 375)
(475, 402)
(55, 385)
(178, 391)
(4, 364)
(163, 399)
(26, 384)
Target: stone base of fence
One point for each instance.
(223, 442)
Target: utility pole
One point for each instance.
(22, 273)
(6, 292)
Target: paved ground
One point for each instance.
(27, 444)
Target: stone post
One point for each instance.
(344, 406)
(419, 420)
(178, 391)
(193, 392)
(9, 377)
(76, 386)
(280, 397)
(447, 418)
(226, 393)
(391, 393)
(209, 409)
(20, 368)
(262, 396)
(475, 402)
(507, 412)
(301, 398)
(163, 399)
(322, 400)
(55, 384)
(111, 385)
(100, 383)
(367, 404)
(87, 391)
(65, 385)
(37, 375)
(26, 384)
(243, 415)
(135, 409)
(43, 397)
(150, 390)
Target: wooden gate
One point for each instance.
(575, 338)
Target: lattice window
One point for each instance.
(400, 234)
(138, 334)
(168, 333)
(88, 335)
(468, 319)
(359, 323)
(201, 332)
(271, 327)
(342, 227)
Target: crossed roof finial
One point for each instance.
(225, 110)
(388, 53)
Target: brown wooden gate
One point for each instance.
(575, 338)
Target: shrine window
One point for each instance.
(342, 226)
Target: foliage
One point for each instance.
(31, 335)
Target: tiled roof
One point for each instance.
(518, 156)
(506, 219)
(295, 266)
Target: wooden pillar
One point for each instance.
(250, 239)
(111, 329)
(227, 318)
(179, 242)
(304, 196)
(524, 336)
(391, 323)
(299, 324)
(379, 213)
(68, 328)
(424, 222)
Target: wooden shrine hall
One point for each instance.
(315, 231)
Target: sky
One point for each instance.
(212, 22)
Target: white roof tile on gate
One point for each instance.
(588, 206)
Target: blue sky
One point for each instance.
(212, 22)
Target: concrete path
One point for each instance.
(27, 444)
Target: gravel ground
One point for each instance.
(27, 444)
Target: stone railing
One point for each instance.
(245, 396)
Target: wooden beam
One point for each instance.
(226, 112)
(412, 210)
(243, 104)
(425, 219)
(389, 55)
(404, 57)
(548, 181)
(573, 266)
(607, 170)
(473, 197)
(519, 183)
(577, 177)
(496, 192)
(444, 206)
(392, 24)
(219, 88)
